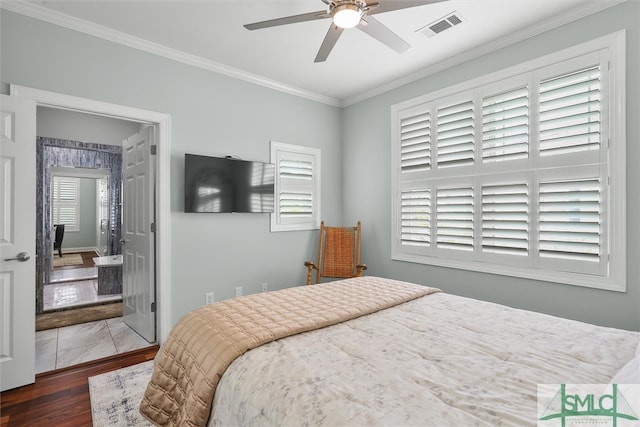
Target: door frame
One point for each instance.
(162, 122)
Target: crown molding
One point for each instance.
(587, 9)
(53, 17)
(80, 25)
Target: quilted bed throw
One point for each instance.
(203, 343)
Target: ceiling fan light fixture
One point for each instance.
(347, 15)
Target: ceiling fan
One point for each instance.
(348, 14)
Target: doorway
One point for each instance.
(79, 207)
(26, 99)
(81, 193)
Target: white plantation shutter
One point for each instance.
(66, 215)
(455, 141)
(455, 218)
(570, 219)
(415, 143)
(570, 112)
(521, 172)
(505, 219)
(415, 223)
(297, 187)
(296, 169)
(65, 207)
(505, 126)
(296, 205)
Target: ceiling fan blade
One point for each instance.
(328, 43)
(389, 5)
(383, 34)
(311, 16)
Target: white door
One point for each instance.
(138, 249)
(17, 241)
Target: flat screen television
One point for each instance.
(222, 184)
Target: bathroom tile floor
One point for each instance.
(74, 294)
(71, 345)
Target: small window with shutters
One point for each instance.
(65, 206)
(513, 173)
(297, 187)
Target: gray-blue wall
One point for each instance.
(218, 115)
(211, 114)
(367, 183)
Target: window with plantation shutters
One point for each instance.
(297, 187)
(295, 204)
(520, 173)
(65, 198)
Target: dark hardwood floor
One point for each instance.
(61, 398)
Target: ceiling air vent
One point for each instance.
(441, 24)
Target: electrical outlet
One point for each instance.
(239, 291)
(264, 287)
(209, 298)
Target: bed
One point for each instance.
(427, 358)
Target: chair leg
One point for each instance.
(60, 252)
(309, 270)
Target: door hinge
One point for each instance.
(154, 149)
(153, 307)
(153, 227)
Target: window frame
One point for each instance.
(611, 49)
(282, 151)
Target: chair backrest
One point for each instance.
(338, 252)
(59, 235)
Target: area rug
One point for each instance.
(116, 396)
(67, 259)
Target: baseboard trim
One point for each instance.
(98, 362)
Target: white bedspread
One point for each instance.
(440, 360)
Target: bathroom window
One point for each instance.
(66, 201)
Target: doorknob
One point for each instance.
(122, 241)
(21, 257)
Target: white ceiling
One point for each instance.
(210, 33)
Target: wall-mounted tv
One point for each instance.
(222, 184)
